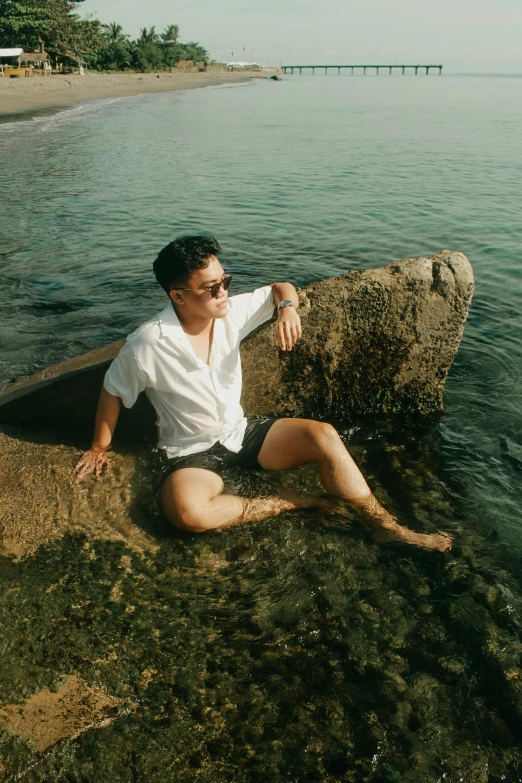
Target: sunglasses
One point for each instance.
(216, 288)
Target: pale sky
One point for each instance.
(464, 35)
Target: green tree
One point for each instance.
(114, 33)
(115, 52)
(170, 34)
(194, 51)
(65, 34)
(147, 36)
(80, 38)
(147, 52)
(25, 22)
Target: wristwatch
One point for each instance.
(285, 303)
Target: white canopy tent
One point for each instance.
(11, 52)
(8, 53)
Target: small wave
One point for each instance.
(227, 85)
(165, 93)
(50, 117)
(38, 118)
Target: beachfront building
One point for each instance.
(39, 60)
(14, 62)
(241, 66)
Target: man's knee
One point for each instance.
(190, 521)
(184, 516)
(323, 435)
(186, 503)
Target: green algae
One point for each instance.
(296, 649)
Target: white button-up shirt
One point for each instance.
(197, 404)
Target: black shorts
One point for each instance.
(217, 457)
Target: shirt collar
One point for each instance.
(170, 325)
(171, 328)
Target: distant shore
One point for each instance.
(47, 92)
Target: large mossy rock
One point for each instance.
(374, 342)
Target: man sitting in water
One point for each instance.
(186, 359)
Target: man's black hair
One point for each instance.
(178, 260)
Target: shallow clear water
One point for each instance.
(343, 660)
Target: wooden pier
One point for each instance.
(363, 68)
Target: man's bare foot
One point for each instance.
(386, 528)
(441, 542)
(383, 525)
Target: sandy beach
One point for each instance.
(25, 95)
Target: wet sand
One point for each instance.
(38, 92)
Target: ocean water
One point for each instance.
(308, 652)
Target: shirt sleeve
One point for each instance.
(125, 378)
(251, 310)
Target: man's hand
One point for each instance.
(95, 460)
(288, 328)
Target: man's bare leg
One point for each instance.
(193, 501)
(293, 442)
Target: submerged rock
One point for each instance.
(47, 717)
(374, 342)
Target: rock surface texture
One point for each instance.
(374, 342)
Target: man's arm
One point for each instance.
(288, 327)
(95, 459)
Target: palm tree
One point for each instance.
(114, 32)
(148, 36)
(170, 34)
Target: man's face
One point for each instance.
(198, 301)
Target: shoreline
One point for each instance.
(25, 96)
